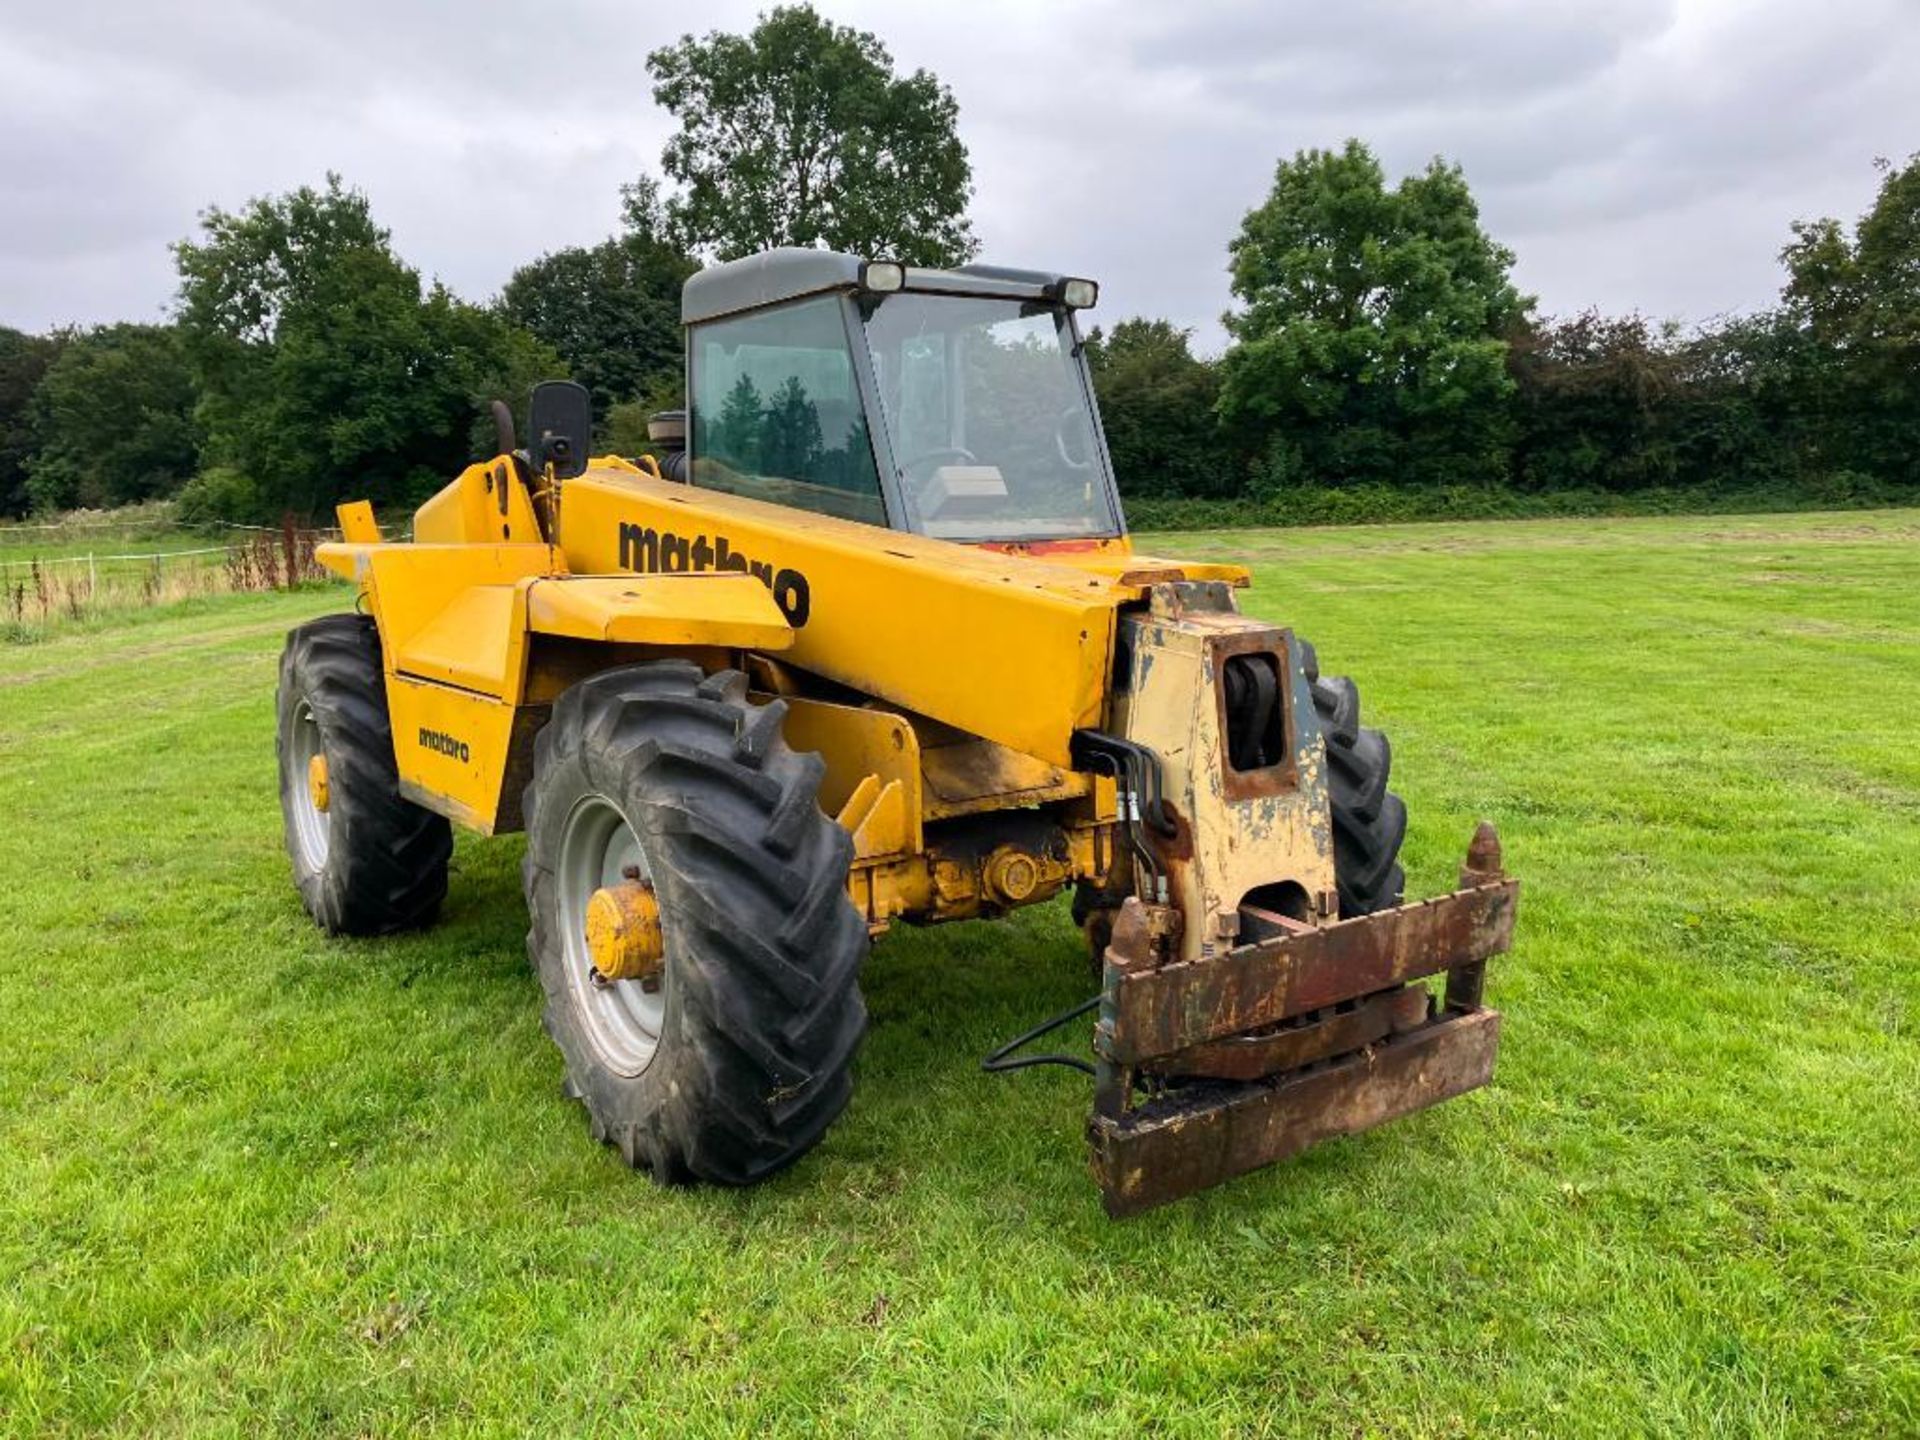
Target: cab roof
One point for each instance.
(791, 272)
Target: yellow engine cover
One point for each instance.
(1007, 647)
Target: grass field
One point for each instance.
(96, 575)
(131, 529)
(258, 1183)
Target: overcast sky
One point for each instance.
(1636, 154)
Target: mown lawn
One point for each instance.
(259, 1183)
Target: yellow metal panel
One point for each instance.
(1140, 571)
(876, 816)
(968, 776)
(475, 642)
(858, 744)
(1238, 576)
(357, 523)
(409, 586)
(859, 804)
(1114, 557)
(441, 521)
(486, 505)
(348, 561)
(1008, 647)
(1052, 550)
(451, 747)
(734, 611)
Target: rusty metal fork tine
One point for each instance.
(1267, 1048)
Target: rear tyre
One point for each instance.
(371, 861)
(1369, 820)
(739, 1057)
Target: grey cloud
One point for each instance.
(1643, 154)
(1390, 52)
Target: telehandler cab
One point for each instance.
(869, 644)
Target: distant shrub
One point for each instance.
(625, 430)
(218, 495)
(99, 528)
(1379, 505)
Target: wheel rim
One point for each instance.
(622, 1017)
(312, 826)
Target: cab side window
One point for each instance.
(777, 414)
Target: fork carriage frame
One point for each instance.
(1211, 1067)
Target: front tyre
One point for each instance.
(1369, 820)
(733, 1059)
(366, 859)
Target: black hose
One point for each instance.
(1003, 1060)
(1130, 776)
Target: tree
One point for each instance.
(737, 436)
(800, 133)
(612, 310)
(23, 360)
(1594, 394)
(1855, 297)
(1370, 346)
(1737, 410)
(1157, 406)
(790, 441)
(113, 418)
(325, 369)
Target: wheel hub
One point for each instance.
(307, 803)
(610, 927)
(623, 931)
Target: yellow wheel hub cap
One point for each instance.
(317, 782)
(623, 931)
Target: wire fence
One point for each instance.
(40, 591)
(95, 562)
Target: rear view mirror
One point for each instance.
(560, 428)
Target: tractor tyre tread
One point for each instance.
(387, 858)
(763, 1012)
(1369, 820)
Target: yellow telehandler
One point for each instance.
(867, 643)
